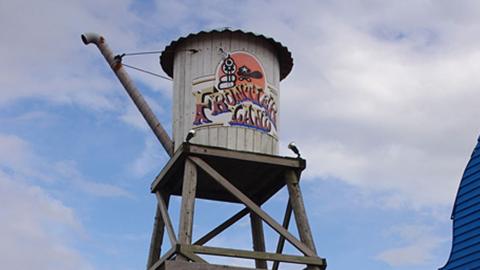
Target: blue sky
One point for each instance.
(382, 101)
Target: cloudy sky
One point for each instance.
(382, 101)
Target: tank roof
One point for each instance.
(284, 56)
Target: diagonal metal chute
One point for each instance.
(147, 113)
(116, 64)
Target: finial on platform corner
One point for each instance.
(294, 149)
(190, 135)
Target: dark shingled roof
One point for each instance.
(283, 54)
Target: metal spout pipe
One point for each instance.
(116, 65)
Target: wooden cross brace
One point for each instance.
(183, 249)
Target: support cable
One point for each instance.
(119, 59)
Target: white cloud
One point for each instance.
(418, 250)
(45, 58)
(17, 157)
(382, 113)
(380, 84)
(36, 229)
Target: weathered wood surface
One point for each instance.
(296, 199)
(253, 207)
(163, 259)
(188, 203)
(176, 265)
(267, 159)
(243, 169)
(157, 238)
(238, 253)
(258, 239)
(197, 58)
(163, 207)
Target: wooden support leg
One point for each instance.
(157, 238)
(258, 239)
(298, 207)
(188, 205)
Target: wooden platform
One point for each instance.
(176, 265)
(212, 173)
(259, 176)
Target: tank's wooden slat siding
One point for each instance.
(190, 65)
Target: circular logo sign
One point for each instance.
(238, 97)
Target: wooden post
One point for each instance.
(157, 237)
(258, 239)
(298, 207)
(188, 204)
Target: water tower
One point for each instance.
(226, 93)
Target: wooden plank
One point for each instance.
(177, 265)
(166, 169)
(220, 228)
(232, 138)
(222, 137)
(182, 84)
(201, 136)
(238, 253)
(258, 239)
(212, 135)
(188, 107)
(254, 157)
(281, 239)
(252, 206)
(208, 67)
(266, 144)
(188, 203)
(257, 141)
(249, 139)
(176, 97)
(240, 139)
(163, 207)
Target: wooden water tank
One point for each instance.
(226, 86)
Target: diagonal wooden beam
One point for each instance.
(281, 239)
(157, 239)
(220, 228)
(162, 206)
(165, 257)
(252, 206)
